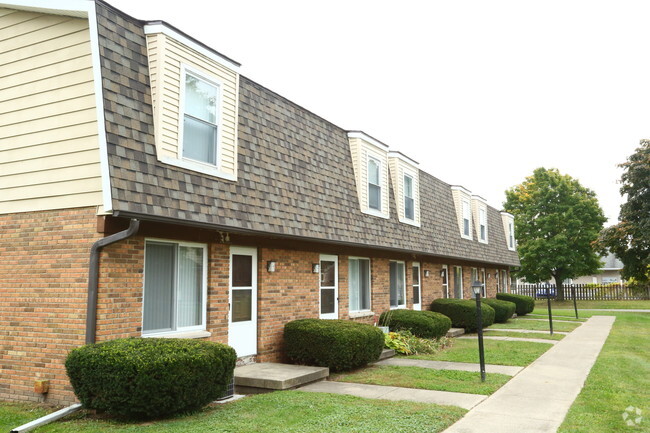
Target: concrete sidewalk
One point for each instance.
(537, 399)
(495, 337)
(447, 365)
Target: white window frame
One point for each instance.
(369, 285)
(417, 306)
(445, 286)
(189, 163)
(188, 330)
(380, 186)
(511, 235)
(412, 197)
(335, 313)
(482, 223)
(466, 214)
(395, 307)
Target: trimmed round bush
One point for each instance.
(462, 312)
(337, 344)
(423, 324)
(525, 304)
(149, 377)
(503, 310)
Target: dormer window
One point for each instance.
(511, 235)
(200, 120)
(467, 221)
(374, 184)
(409, 202)
(482, 223)
(509, 229)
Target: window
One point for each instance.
(482, 279)
(175, 277)
(200, 120)
(397, 285)
(458, 282)
(474, 275)
(505, 283)
(511, 235)
(445, 281)
(482, 221)
(374, 184)
(467, 227)
(359, 286)
(416, 286)
(409, 202)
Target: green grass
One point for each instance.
(16, 414)
(286, 411)
(585, 305)
(570, 318)
(522, 335)
(620, 378)
(426, 378)
(536, 325)
(516, 353)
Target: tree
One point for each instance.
(557, 223)
(629, 240)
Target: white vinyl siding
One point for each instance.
(168, 58)
(364, 149)
(359, 284)
(49, 131)
(175, 280)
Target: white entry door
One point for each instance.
(329, 287)
(242, 329)
(417, 292)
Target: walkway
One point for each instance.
(494, 337)
(523, 331)
(446, 365)
(537, 399)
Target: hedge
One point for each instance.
(338, 344)
(423, 324)
(149, 377)
(462, 312)
(525, 304)
(503, 310)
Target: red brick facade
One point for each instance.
(44, 274)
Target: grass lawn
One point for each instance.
(619, 379)
(570, 318)
(516, 353)
(585, 305)
(536, 325)
(521, 335)
(425, 378)
(285, 411)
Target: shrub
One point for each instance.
(406, 343)
(423, 324)
(525, 304)
(149, 377)
(337, 344)
(503, 310)
(462, 312)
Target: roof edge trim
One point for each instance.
(362, 135)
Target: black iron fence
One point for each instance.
(583, 292)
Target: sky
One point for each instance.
(480, 93)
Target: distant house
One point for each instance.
(215, 208)
(609, 272)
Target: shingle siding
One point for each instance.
(295, 170)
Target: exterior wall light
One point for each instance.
(442, 273)
(427, 273)
(270, 265)
(315, 268)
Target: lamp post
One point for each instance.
(476, 288)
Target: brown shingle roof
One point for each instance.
(295, 173)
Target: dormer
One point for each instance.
(509, 229)
(480, 214)
(370, 161)
(463, 204)
(405, 176)
(195, 101)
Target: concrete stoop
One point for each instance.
(386, 353)
(455, 332)
(269, 376)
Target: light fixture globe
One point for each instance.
(476, 287)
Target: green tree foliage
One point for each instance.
(629, 240)
(557, 223)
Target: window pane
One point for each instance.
(158, 286)
(354, 286)
(327, 273)
(466, 227)
(242, 305)
(199, 141)
(409, 208)
(374, 197)
(416, 284)
(401, 284)
(200, 99)
(408, 186)
(190, 286)
(397, 284)
(242, 271)
(482, 232)
(364, 284)
(458, 282)
(373, 172)
(327, 301)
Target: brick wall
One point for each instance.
(43, 281)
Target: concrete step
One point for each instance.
(270, 376)
(386, 353)
(455, 332)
